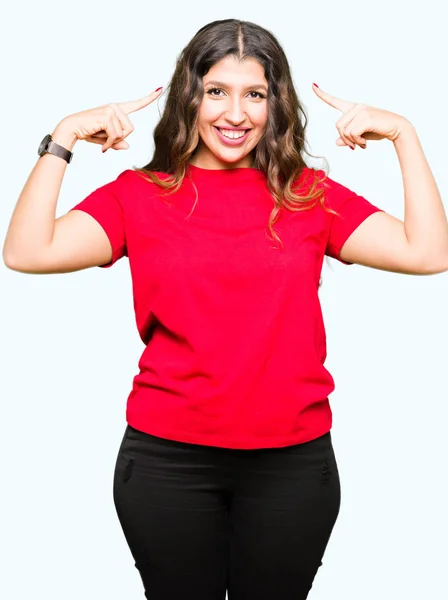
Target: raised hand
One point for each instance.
(360, 122)
(109, 124)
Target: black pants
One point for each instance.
(201, 521)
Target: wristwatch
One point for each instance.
(50, 146)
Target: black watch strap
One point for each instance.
(50, 146)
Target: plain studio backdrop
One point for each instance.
(69, 343)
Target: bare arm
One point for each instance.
(36, 242)
(32, 223)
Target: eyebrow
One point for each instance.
(249, 87)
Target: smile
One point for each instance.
(231, 141)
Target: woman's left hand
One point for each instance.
(361, 122)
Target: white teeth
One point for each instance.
(232, 134)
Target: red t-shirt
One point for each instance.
(232, 326)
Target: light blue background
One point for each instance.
(69, 344)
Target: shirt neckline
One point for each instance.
(232, 174)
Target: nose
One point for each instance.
(235, 113)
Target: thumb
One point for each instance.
(123, 145)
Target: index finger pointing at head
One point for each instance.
(133, 105)
(337, 103)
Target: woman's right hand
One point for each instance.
(109, 124)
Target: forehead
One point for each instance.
(233, 71)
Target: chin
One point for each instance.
(230, 155)
(229, 159)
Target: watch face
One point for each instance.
(44, 144)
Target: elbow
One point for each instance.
(12, 263)
(435, 267)
(7, 259)
(430, 261)
(7, 255)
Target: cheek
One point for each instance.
(207, 114)
(260, 117)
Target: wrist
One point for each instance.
(406, 130)
(64, 135)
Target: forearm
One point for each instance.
(32, 222)
(425, 220)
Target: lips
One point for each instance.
(231, 141)
(230, 129)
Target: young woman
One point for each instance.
(226, 479)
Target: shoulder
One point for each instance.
(335, 198)
(335, 193)
(309, 177)
(130, 182)
(311, 184)
(132, 177)
(135, 177)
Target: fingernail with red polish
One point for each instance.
(316, 85)
(158, 89)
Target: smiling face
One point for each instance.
(235, 97)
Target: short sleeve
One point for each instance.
(105, 205)
(353, 210)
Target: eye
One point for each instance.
(211, 90)
(259, 94)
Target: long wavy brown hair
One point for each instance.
(280, 152)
